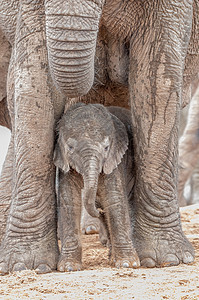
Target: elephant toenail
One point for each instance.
(41, 269)
(148, 263)
(135, 265)
(3, 269)
(69, 269)
(19, 267)
(188, 258)
(125, 265)
(61, 269)
(91, 229)
(170, 260)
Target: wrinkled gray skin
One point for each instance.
(142, 53)
(89, 153)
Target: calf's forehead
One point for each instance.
(87, 124)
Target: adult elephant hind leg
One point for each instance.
(30, 240)
(156, 70)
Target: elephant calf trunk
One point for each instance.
(88, 196)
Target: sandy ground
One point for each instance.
(100, 281)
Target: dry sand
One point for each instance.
(99, 281)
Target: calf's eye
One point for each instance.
(70, 148)
(106, 148)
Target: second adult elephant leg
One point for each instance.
(155, 79)
(195, 185)
(189, 146)
(5, 188)
(30, 239)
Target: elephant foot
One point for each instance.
(90, 229)
(124, 258)
(90, 225)
(41, 257)
(167, 249)
(70, 260)
(65, 265)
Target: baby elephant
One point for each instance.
(96, 168)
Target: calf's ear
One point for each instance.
(60, 157)
(118, 147)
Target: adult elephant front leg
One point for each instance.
(156, 69)
(30, 238)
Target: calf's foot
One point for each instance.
(89, 225)
(124, 257)
(70, 259)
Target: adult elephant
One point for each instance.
(140, 58)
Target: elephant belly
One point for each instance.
(111, 73)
